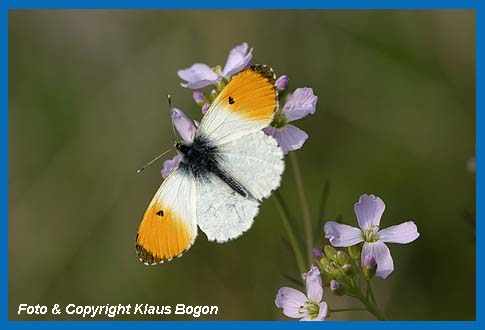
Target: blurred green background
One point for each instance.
(87, 107)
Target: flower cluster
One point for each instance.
(296, 304)
(367, 255)
(299, 104)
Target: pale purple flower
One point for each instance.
(184, 125)
(369, 210)
(297, 305)
(238, 60)
(169, 165)
(281, 83)
(369, 262)
(317, 253)
(205, 107)
(334, 285)
(298, 105)
(200, 75)
(199, 97)
(186, 128)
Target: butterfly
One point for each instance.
(223, 175)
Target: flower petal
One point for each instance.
(314, 288)
(197, 76)
(299, 104)
(342, 235)
(238, 60)
(198, 97)
(205, 107)
(282, 83)
(169, 165)
(289, 137)
(323, 311)
(369, 211)
(381, 254)
(184, 125)
(291, 301)
(404, 233)
(317, 253)
(369, 262)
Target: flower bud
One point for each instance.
(336, 288)
(355, 251)
(335, 269)
(322, 263)
(205, 107)
(348, 270)
(199, 97)
(214, 94)
(343, 258)
(218, 70)
(330, 252)
(369, 267)
(317, 254)
(184, 125)
(332, 270)
(282, 83)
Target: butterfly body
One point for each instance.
(202, 159)
(225, 170)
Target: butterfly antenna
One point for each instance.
(153, 161)
(169, 99)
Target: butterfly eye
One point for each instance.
(231, 100)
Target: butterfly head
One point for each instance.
(181, 147)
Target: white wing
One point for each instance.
(244, 106)
(255, 161)
(169, 226)
(233, 125)
(222, 213)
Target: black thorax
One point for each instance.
(202, 159)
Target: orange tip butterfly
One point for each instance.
(223, 175)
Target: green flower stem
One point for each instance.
(370, 303)
(367, 299)
(372, 298)
(372, 308)
(304, 206)
(300, 260)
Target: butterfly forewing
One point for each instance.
(244, 106)
(169, 226)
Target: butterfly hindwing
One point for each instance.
(245, 105)
(223, 213)
(169, 226)
(255, 161)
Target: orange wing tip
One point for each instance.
(265, 72)
(147, 257)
